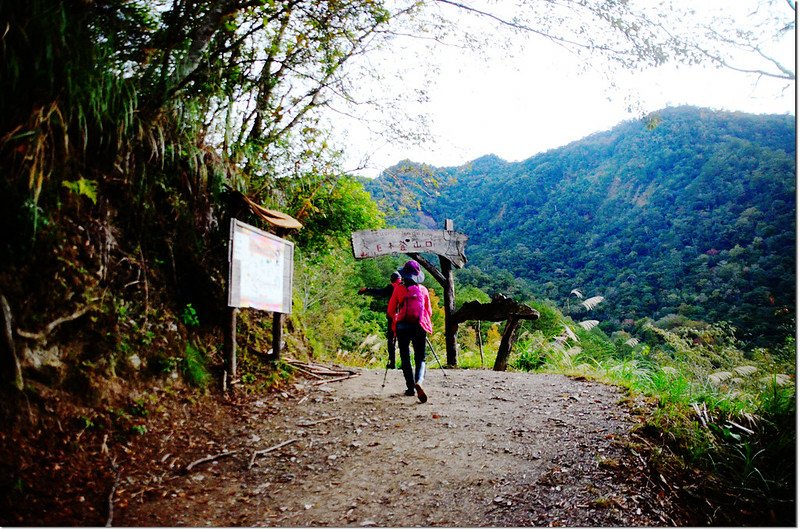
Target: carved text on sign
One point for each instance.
(446, 243)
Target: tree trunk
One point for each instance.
(11, 370)
(506, 344)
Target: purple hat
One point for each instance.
(411, 271)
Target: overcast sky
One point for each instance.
(516, 107)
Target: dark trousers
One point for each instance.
(390, 338)
(409, 334)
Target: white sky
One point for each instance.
(516, 107)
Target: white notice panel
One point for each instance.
(261, 267)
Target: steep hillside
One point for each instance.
(689, 212)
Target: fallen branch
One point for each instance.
(268, 450)
(307, 372)
(319, 369)
(699, 415)
(328, 371)
(111, 495)
(743, 428)
(334, 379)
(317, 422)
(52, 325)
(209, 458)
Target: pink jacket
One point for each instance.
(391, 309)
(398, 295)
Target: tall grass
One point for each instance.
(721, 409)
(194, 366)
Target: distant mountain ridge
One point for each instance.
(688, 212)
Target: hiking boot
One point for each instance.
(420, 394)
(410, 392)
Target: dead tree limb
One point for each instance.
(334, 379)
(112, 493)
(209, 459)
(269, 450)
(307, 372)
(42, 335)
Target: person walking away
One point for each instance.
(412, 324)
(386, 292)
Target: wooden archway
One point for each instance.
(447, 244)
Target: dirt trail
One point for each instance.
(487, 449)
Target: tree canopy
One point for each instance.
(124, 122)
(693, 217)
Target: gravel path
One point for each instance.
(487, 449)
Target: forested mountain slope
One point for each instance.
(688, 212)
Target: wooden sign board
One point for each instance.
(446, 243)
(261, 267)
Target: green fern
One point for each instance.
(82, 187)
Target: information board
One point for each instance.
(261, 268)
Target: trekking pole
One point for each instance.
(436, 356)
(384, 375)
(387, 367)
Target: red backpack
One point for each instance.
(412, 305)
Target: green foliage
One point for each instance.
(189, 317)
(335, 317)
(719, 409)
(165, 364)
(86, 422)
(259, 375)
(469, 359)
(529, 359)
(194, 366)
(151, 113)
(550, 322)
(693, 218)
(471, 293)
(84, 187)
(140, 407)
(139, 430)
(330, 208)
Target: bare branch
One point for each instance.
(42, 335)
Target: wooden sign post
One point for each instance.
(447, 244)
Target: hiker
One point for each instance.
(412, 323)
(386, 292)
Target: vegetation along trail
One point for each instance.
(489, 448)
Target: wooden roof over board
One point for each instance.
(273, 217)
